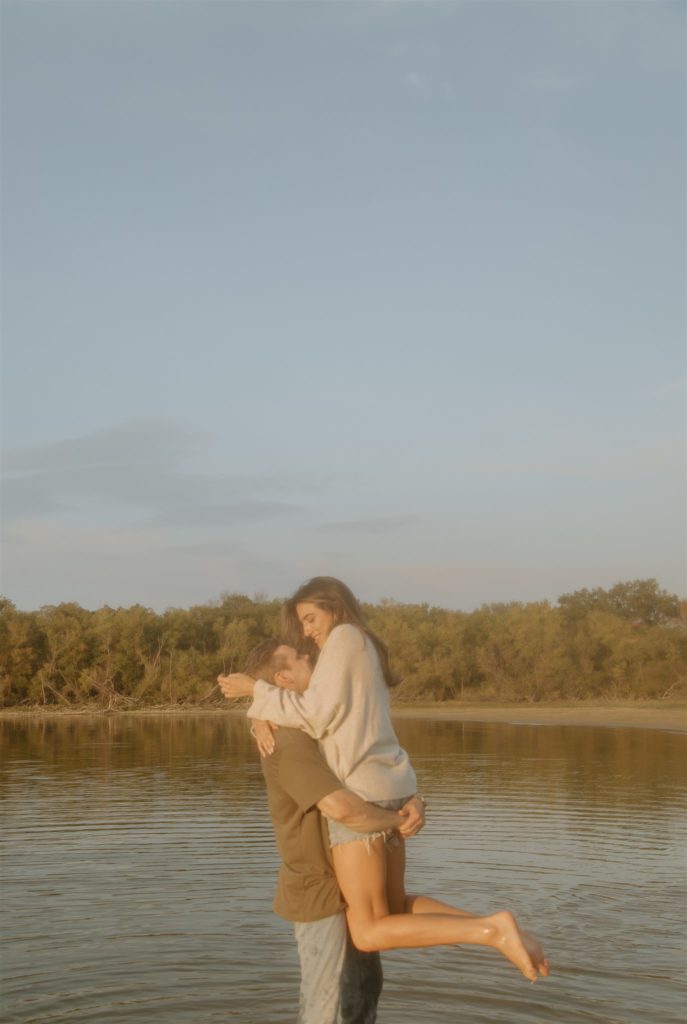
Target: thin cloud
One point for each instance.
(553, 80)
(51, 563)
(678, 386)
(137, 441)
(418, 83)
(138, 468)
(427, 85)
(381, 525)
(658, 457)
(216, 549)
(242, 512)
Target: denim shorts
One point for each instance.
(339, 833)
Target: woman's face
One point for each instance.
(316, 622)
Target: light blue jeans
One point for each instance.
(339, 984)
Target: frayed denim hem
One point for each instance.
(339, 834)
(390, 839)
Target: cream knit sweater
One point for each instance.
(346, 708)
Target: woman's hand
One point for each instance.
(236, 685)
(262, 731)
(413, 814)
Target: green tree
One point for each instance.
(23, 649)
(640, 600)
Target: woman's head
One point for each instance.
(318, 606)
(321, 604)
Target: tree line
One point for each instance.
(627, 642)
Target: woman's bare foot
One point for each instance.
(537, 954)
(507, 939)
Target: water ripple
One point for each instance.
(139, 876)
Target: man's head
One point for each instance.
(277, 663)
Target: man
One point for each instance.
(339, 984)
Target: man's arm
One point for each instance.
(357, 814)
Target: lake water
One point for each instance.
(139, 865)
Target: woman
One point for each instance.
(346, 707)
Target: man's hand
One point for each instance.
(262, 731)
(236, 685)
(413, 814)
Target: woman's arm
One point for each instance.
(315, 718)
(321, 707)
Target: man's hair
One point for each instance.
(263, 662)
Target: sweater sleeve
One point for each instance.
(319, 710)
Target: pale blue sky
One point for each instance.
(389, 291)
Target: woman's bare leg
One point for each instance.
(428, 905)
(362, 877)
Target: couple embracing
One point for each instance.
(340, 787)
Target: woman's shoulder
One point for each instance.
(346, 637)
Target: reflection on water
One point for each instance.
(139, 866)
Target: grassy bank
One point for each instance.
(635, 714)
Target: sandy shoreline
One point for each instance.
(637, 715)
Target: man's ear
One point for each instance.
(281, 679)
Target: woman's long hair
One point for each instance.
(334, 597)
